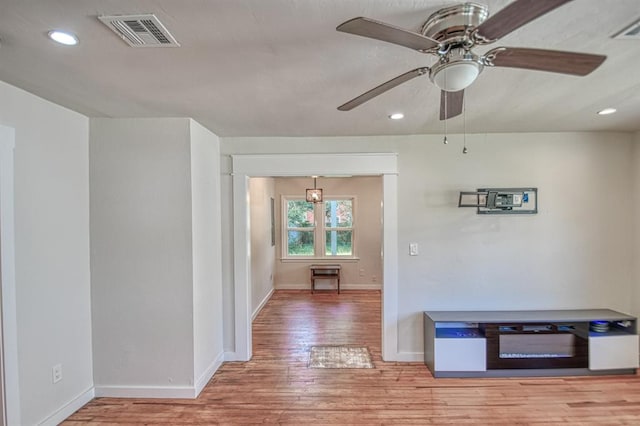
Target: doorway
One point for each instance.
(281, 259)
(9, 395)
(283, 165)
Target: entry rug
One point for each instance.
(340, 357)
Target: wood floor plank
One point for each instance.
(277, 387)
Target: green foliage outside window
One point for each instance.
(337, 226)
(301, 225)
(300, 243)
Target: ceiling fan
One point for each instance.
(452, 32)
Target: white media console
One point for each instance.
(530, 343)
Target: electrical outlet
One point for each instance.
(56, 373)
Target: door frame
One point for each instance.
(9, 341)
(287, 165)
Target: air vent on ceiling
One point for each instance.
(140, 30)
(632, 32)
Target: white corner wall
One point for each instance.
(207, 253)
(576, 253)
(263, 254)
(636, 225)
(52, 275)
(141, 257)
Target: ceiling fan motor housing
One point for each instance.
(451, 26)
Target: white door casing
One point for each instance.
(9, 343)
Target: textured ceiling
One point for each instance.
(279, 68)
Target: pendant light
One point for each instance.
(314, 195)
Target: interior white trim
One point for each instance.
(208, 374)
(261, 305)
(68, 409)
(231, 356)
(279, 165)
(7, 241)
(177, 392)
(242, 266)
(390, 269)
(410, 357)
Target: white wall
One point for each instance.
(155, 247)
(52, 254)
(575, 253)
(636, 224)
(207, 265)
(9, 383)
(263, 254)
(363, 273)
(141, 255)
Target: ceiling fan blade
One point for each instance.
(359, 100)
(380, 31)
(451, 104)
(544, 60)
(513, 16)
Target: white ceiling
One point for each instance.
(279, 67)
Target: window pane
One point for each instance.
(299, 214)
(300, 243)
(338, 214)
(339, 243)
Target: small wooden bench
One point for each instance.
(324, 272)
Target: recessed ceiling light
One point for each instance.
(397, 116)
(63, 37)
(607, 111)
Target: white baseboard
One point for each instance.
(261, 305)
(68, 409)
(407, 357)
(370, 286)
(232, 356)
(208, 373)
(307, 286)
(178, 392)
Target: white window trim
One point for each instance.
(319, 234)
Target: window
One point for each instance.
(306, 236)
(300, 228)
(338, 227)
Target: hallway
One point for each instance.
(276, 387)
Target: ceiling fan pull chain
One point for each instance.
(446, 95)
(464, 126)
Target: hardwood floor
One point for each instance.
(276, 387)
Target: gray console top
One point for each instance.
(565, 315)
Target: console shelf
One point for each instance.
(530, 343)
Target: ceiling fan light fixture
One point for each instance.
(396, 116)
(455, 75)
